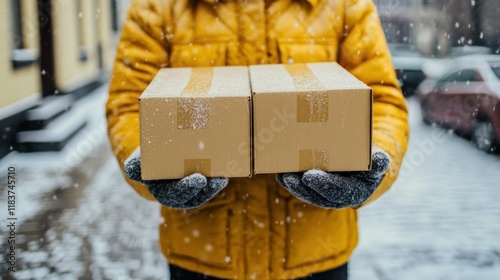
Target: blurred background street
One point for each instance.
(78, 219)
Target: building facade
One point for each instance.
(19, 50)
(52, 51)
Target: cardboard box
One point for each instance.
(196, 120)
(307, 116)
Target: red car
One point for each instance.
(467, 100)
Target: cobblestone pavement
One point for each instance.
(91, 230)
(78, 220)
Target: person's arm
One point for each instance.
(141, 51)
(364, 52)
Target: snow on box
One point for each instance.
(308, 116)
(196, 120)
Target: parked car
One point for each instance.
(434, 69)
(467, 99)
(408, 63)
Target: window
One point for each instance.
(468, 75)
(496, 70)
(82, 49)
(21, 56)
(16, 24)
(96, 15)
(461, 76)
(451, 78)
(114, 15)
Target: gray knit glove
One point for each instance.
(188, 192)
(337, 189)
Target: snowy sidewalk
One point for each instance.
(441, 220)
(71, 207)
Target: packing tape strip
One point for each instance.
(202, 166)
(313, 159)
(199, 81)
(312, 103)
(193, 112)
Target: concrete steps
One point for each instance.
(49, 126)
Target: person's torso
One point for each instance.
(245, 32)
(255, 229)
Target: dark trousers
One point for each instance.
(339, 273)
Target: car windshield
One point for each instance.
(496, 70)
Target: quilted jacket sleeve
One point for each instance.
(364, 52)
(141, 51)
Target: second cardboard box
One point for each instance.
(308, 116)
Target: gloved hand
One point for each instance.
(188, 192)
(337, 189)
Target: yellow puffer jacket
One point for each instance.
(255, 229)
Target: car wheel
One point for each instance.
(483, 135)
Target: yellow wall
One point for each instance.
(96, 21)
(70, 71)
(17, 84)
(69, 68)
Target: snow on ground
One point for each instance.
(47, 171)
(71, 207)
(106, 237)
(441, 220)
